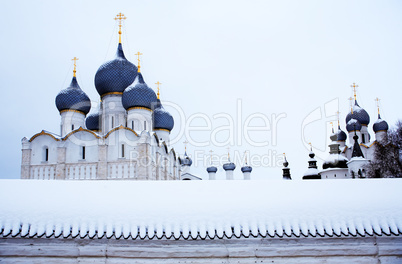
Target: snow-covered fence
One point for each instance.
(81, 171)
(43, 172)
(122, 170)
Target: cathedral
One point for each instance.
(348, 159)
(127, 138)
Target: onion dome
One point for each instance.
(359, 114)
(352, 125)
(92, 122)
(380, 125)
(229, 166)
(73, 98)
(139, 95)
(212, 169)
(162, 119)
(341, 135)
(186, 161)
(116, 75)
(246, 169)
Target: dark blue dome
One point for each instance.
(139, 95)
(246, 169)
(341, 135)
(380, 125)
(162, 119)
(229, 166)
(186, 161)
(92, 121)
(359, 114)
(73, 98)
(212, 169)
(115, 75)
(352, 125)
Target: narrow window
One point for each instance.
(83, 152)
(132, 125)
(363, 138)
(122, 150)
(145, 125)
(72, 127)
(112, 121)
(46, 154)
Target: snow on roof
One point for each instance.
(311, 171)
(199, 209)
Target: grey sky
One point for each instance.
(278, 57)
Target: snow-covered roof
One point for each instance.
(199, 209)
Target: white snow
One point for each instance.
(199, 209)
(311, 171)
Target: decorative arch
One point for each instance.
(43, 133)
(80, 129)
(173, 153)
(118, 128)
(165, 147)
(156, 138)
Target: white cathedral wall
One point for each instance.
(38, 146)
(139, 119)
(335, 173)
(71, 120)
(163, 135)
(113, 111)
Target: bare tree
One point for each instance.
(387, 161)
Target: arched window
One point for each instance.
(363, 139)
(46, 154)
(112, 121)
(122, 150)
(72, 127)
(83, 152)
(132, 125)
(145, 125)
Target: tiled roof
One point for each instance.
(199, 209)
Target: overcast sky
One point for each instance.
(218, 60)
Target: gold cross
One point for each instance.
(120, 17)
(378, 105)
(210, 156)
(311, 146)
(245, 154)
(338, 114)
(158, 83)
(354, 86)
(75, 65)
(139, 66)
(185, 144)
(351, 104)
(228, 148)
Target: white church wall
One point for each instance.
(39, 146)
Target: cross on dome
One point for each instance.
(351, 104)
(378, 105)
(138, 54)
(75, 66)
(120, 17)
(158, 94)
(337, 115)
(354, 86)
(185, 145)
